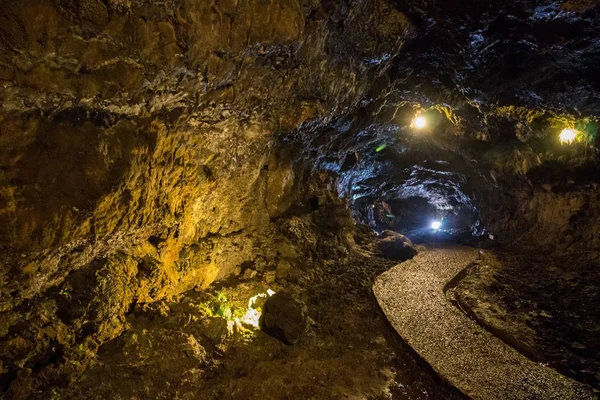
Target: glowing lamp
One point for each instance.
(435, 225)
(419, 122)
(567, 136)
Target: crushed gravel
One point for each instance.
(479, 364)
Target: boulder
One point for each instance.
(284, 317)
(395, 246)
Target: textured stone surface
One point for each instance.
(543, 304)
(150, 147)
(470, 358)
(140, 153)
(284, 317)
(344, 353)
(497, 82)
(395, 246)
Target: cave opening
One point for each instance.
(416, 191)
(400, 177)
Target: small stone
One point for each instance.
(270, 276)
(577, 346)
(249, 273)
(195, 349)
(283, 270)
(260, 265)
(215, 330)
(287, 250)
(284, 317)
(164, 309)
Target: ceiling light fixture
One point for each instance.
(567, 136)
(419, 122)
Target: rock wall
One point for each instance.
(141, 153)
(150, 147)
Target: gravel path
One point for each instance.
(482, 366)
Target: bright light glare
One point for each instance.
(568, 136)
(420, 122)
(436, 225)
(252, 316)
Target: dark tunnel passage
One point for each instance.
(397, 176)
(407, 185)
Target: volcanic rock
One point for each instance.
(395, 246)
(284, 317)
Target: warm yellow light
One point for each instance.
(568, 136)
(420, 122)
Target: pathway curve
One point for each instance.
(479, 364)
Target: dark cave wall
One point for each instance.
(498, 83)
(544, 217)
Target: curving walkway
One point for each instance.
(467, 356)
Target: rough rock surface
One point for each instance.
(348, 350)
(395, 246)
(151, 147)
(497, 83)
(284, 317)
(140, 153)
(412, 295)
(543, 304)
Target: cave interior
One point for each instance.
(197, 197)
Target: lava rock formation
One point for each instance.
(153, 147)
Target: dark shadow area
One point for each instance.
(544, 305)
